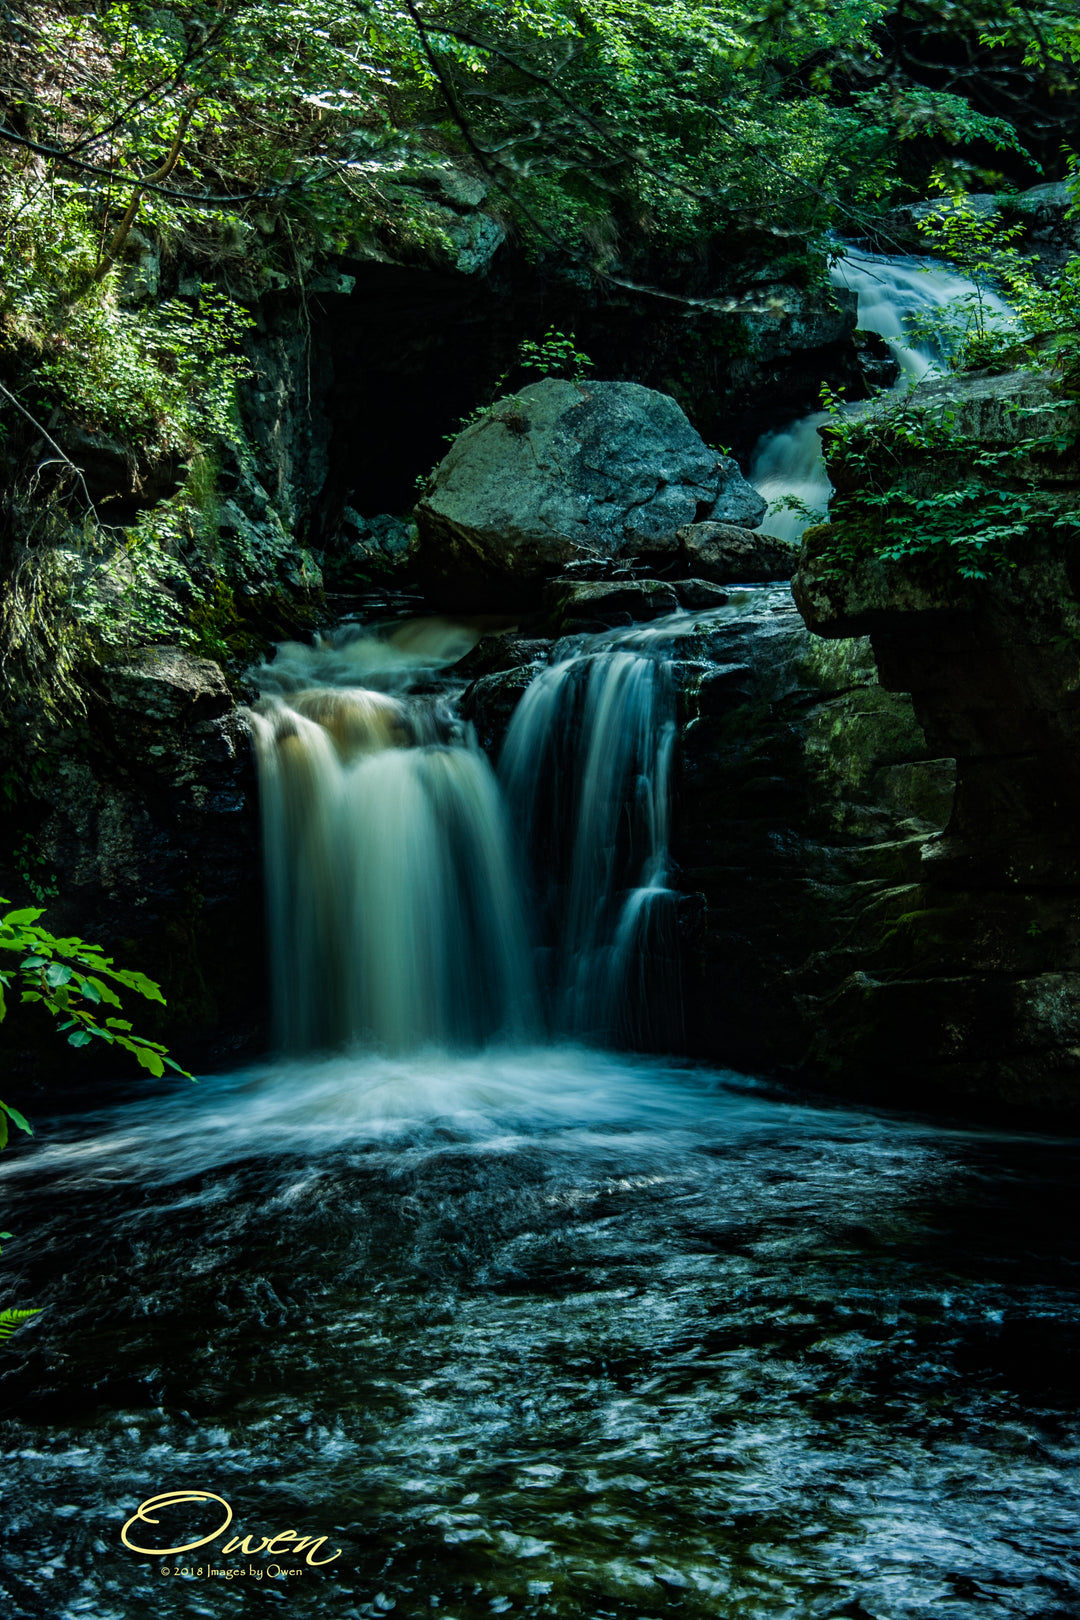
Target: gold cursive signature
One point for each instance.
(284, 1541)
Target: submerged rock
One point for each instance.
(564, 472)
(699, 593)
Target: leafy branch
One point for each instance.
(73, 981)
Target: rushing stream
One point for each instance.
(517, 1323)
(520, 1325)
(545, 1332)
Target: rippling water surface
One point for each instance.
(544, 1333)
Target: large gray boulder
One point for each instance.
(572, 472)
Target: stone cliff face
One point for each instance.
(148, 824)
(977, 995)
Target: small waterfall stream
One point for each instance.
(586, 765)
(396, 895)
(787, 464)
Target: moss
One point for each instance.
(1022, 934)
(237, 631)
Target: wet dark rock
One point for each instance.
(502, 651)
(489, 703)
(879, 366)
(699, 593)
(368, 550)
(804, 797)
(726, 555)
(576, 605)
(148, 818)
(563, 472)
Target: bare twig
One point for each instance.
(49, 440)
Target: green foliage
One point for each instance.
(556, 356)
(589, 118)
(911, 484)
(970, 329)
(70, 980)
(73, 981)
(1042, 326)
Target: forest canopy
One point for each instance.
(586, 118)
(618, 142)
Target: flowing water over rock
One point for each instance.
(393, 902)
(543, 1332)
(898, 298)
(586, 766)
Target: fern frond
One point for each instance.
(12, 1319)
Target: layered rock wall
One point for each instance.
(978, 995)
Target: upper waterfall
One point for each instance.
(894, 293)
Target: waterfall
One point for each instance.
(893, 294)
(396, 861)
(393, 903)
(414, 898)
(586, 767)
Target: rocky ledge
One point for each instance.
(975, 995)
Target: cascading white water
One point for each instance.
(395, 893)
(586, 767)
(394, 909)
(893, 294)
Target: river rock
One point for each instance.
(597, 604)
(699, 593)
(724, 554)
(167, 684)
(562, 472)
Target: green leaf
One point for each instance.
(80, 1037)
(58, 973)
(102, 992)
(149, 1059)
(17, 1118)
